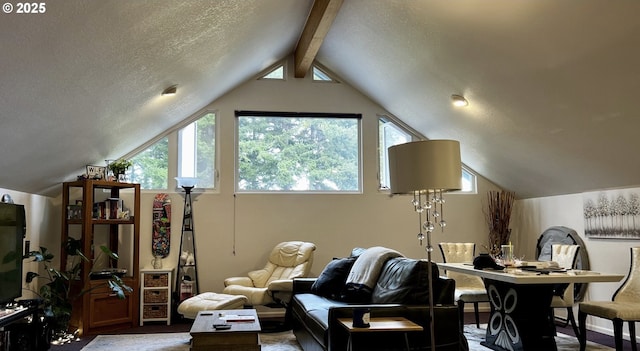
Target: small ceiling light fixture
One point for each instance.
(170, 90)
(459, 100)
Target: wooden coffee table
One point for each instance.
(379, 325)
(242, 336)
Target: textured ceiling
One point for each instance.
(551, 84)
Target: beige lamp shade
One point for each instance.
(426, 165)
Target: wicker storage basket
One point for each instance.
(151, 280)
(154, 311)
(155, 296)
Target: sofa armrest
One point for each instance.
(302, 285)
(446, 290)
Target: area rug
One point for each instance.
(282, 341)
(565, 342)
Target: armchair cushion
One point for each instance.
(255, 296)
(287, 260)
(242, 281)
(260, 277)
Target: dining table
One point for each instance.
(520, 302)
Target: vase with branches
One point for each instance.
(498, 216)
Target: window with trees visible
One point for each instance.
(291, 152)
(196, 145)
(150, 167)
(197, 151)
(390, 134)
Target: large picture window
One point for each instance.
(291, 152)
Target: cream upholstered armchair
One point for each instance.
(624, 307)
(274, 282)
(565, 256)
(469, 289)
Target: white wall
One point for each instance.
(532, 216)
(234, 234)
(43, 228)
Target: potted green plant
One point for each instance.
(57, 291)
(119, 167)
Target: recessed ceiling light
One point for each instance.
(170, 90)
(459, 100)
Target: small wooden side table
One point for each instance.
(381, 325)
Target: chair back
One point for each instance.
(565, 255)
(457, 252)
(460, 253)
(629, 291)
(287, 260)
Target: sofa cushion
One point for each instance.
(313, 311)
(404, 281)
(365, 272)
(331, 281)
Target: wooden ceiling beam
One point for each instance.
(315, 30)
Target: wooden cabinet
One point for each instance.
(102, 213)
(155, 296)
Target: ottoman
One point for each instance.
(190, 307)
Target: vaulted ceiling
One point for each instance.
(551, 84)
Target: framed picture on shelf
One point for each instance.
(96, 172)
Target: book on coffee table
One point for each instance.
(237, 318)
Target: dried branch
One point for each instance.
(498, 216)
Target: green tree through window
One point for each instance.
(150, 167)
(296, 152)
(197, 145)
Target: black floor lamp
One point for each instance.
(426, 169)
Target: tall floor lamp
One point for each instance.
(426, 169)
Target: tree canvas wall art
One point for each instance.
(612, 214)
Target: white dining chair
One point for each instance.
(565, 256)
(623, 307)
(469, 289)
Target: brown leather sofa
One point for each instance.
(401, 290)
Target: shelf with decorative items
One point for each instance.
(101, 213)
(117, 169)
(155, 295)
(186, 284)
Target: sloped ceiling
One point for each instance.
(551, 84)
